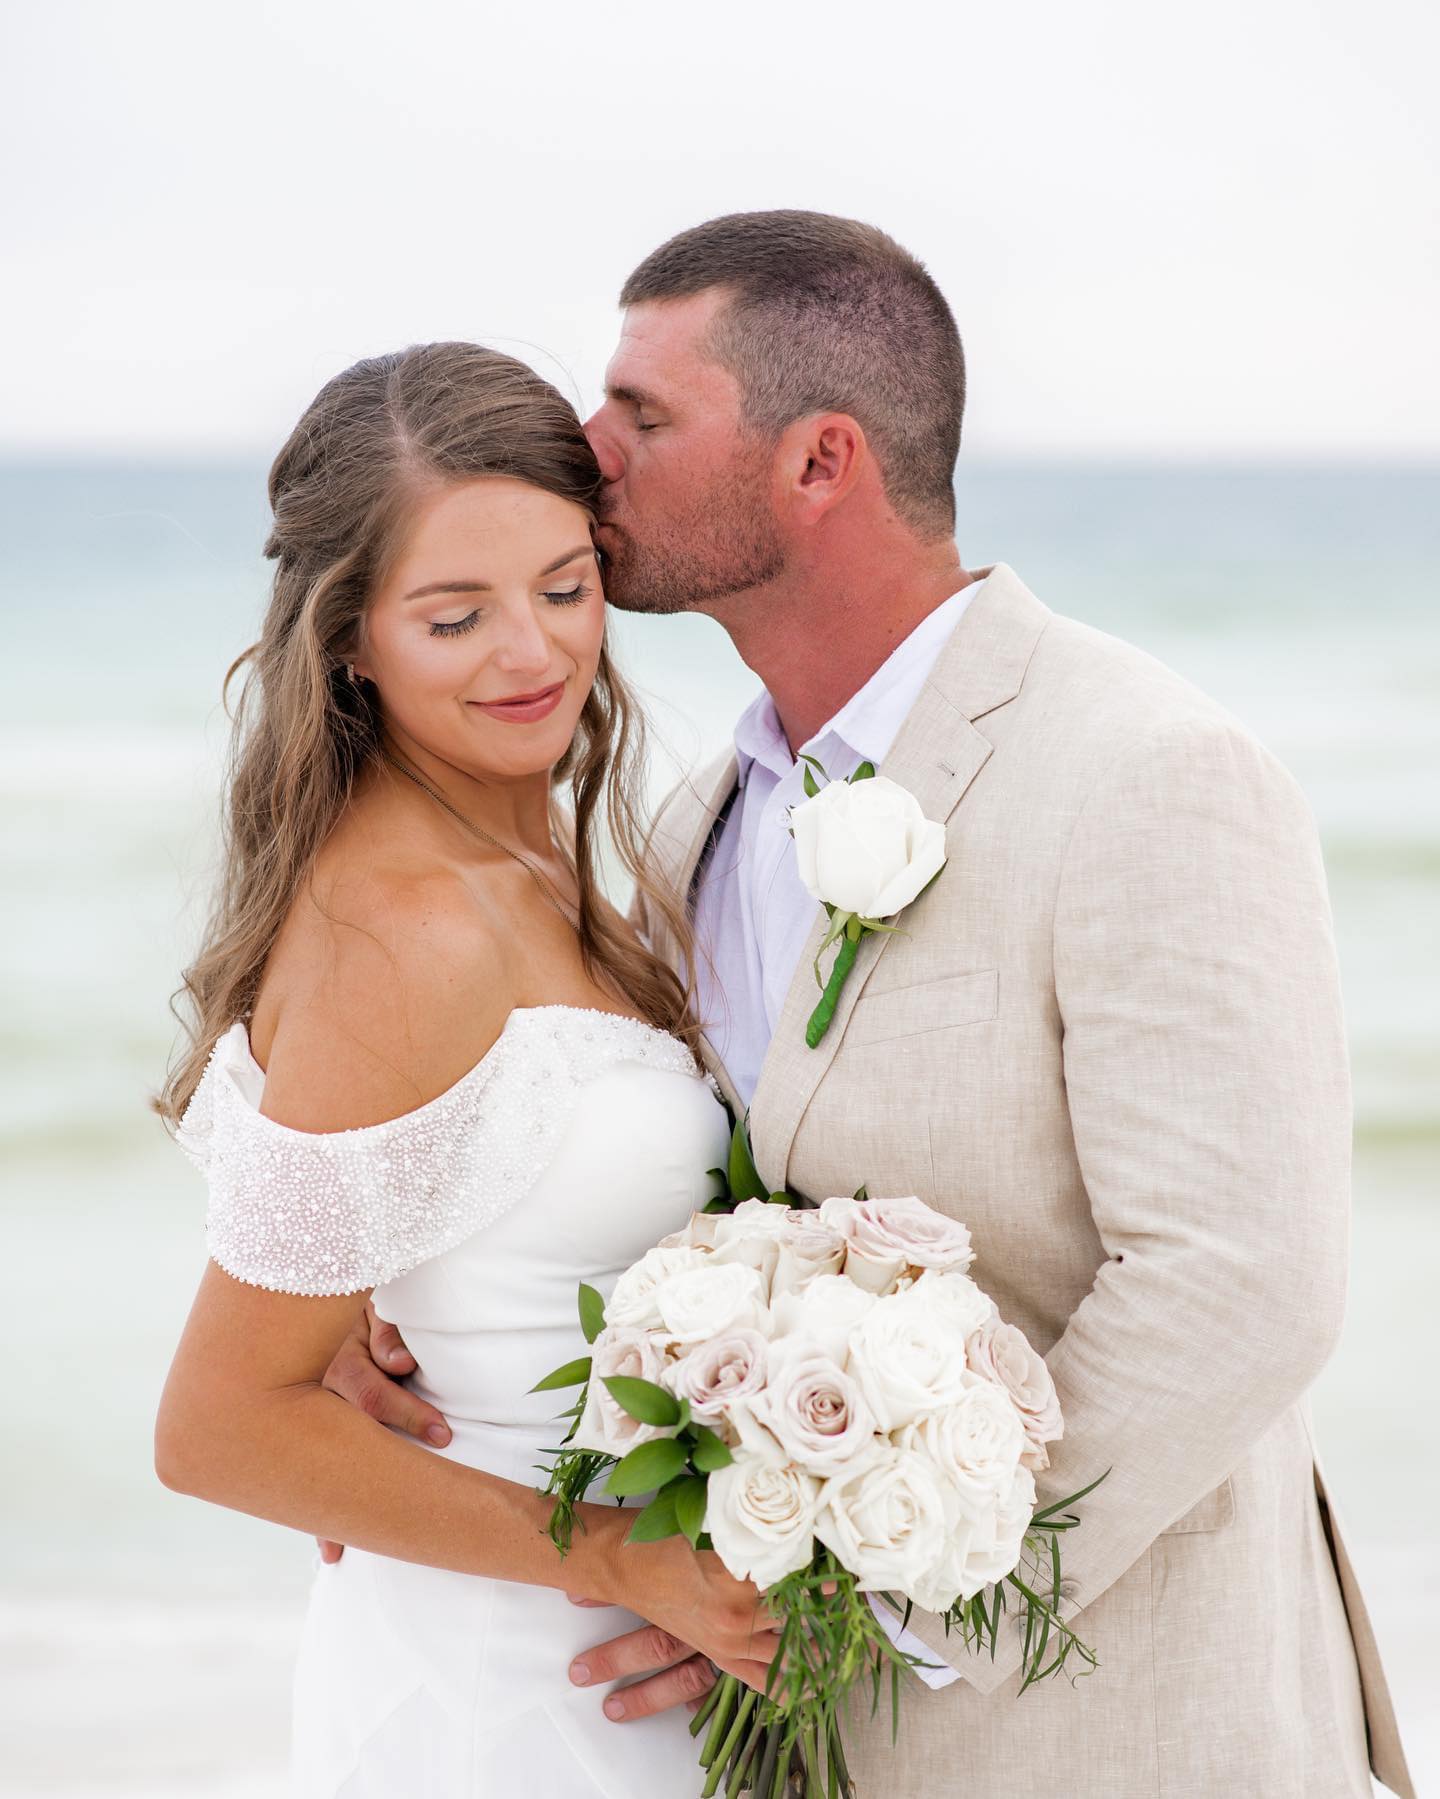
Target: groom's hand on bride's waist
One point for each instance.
(367, 1370)
(674, 1673)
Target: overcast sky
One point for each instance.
(1208, 230)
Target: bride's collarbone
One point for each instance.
(385, 988)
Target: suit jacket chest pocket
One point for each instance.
(912, 1014)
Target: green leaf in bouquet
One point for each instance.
(745, 1182)
(573, 1374)
(812, 786)
(1048, 1512)
(592, 1313)
(865, 772)
(655, 1521)
(709, 1452)
(689, 1495)
(862, 1192)
(643, 1400)
(646, 1468)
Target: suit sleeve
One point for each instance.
(1208, 1090)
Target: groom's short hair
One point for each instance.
(830, 315)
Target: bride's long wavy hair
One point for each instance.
(371, 442)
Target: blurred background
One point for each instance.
(1194, 258)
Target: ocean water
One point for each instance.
(145, 1639)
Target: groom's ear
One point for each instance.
(821, 460)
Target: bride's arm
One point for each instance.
(244, 1422)
(390, 1020)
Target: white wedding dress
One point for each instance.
(579, 1140)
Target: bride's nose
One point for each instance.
(524, 646)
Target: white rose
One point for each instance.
(974, 1444)
(885, 1520)
(998, 1537)
(809, 1248)
(824, 1312)
(815, 1412)
(605, 1424)
(698, 1234)
(1002, 1353)
(957, 1299)
(866, 846)
(908, 1358)
(902, 1232)
(760, 1513)
(751, 1235)
(632, 1302)
(706, 1301)
(720, 1374)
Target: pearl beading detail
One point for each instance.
(335, 1212)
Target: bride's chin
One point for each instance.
(513, 752)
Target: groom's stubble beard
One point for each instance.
(723, 542)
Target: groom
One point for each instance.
(1108, 1037)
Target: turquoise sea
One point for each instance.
(144, 1639)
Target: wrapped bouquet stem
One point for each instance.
(827, 1399)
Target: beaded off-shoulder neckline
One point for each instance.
(678, 1058)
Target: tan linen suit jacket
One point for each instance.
(1109, 1038)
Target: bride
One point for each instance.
(429, 1064)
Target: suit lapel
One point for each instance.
(683, 837)
(936, 756)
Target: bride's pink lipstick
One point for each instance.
(523, 708)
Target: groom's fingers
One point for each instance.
(637, 1652)
(684, 1684)
(355, 1377)
(387, 1347)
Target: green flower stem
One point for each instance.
(720, 1722)
(839, 1767)
(727, 1747)
(810, 1755)
(781, 1778)
(768, 1758)
(820, 1018)
(738, 1773)
(707, 1705)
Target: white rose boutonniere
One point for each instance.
(865, 850)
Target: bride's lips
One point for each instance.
(523, 708)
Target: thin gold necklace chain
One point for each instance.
(547, 891)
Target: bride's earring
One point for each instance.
(350, 672)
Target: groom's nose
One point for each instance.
(602, 442)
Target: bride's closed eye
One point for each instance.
(455, 627)
(569, 596)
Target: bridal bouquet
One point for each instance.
(828, 1400)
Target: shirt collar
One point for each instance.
(870, 720)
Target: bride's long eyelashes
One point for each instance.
(569, 596)
(456, 627)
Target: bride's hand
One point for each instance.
(689, 1595)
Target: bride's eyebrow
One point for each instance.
(420, 593)
(584, 549)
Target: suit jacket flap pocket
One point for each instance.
(927, 1006)
(1214, 1512)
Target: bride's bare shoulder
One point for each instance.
(387, 983)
